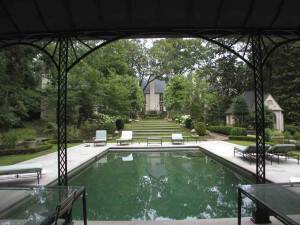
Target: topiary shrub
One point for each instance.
(221, 129)
(188, 123)
(238, 131)
(242, 138)
(296, 135)
(268, 134)
(109, 127)
(200, 128)
(8, 139)
(119, 124)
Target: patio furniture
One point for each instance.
(101, 137)
(279, 200)
(126, 137)
(41, 205)
(248, 152)
(154, 140)
(192, 138)
(177, 138)
(18, 169)
(64, 210)
(282, 150)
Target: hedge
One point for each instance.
(228, 130)
(18, 151)
(242, 138)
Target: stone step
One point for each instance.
(153, 134)
(153, 128)
(152, 131)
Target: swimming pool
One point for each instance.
(158, 185)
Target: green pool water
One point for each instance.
(153, 186)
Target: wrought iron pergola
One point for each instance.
(238, 26)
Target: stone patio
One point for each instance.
(82, 154)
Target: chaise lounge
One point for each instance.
(101, 137)
(177, 138)
(248, 152)
(22, 169)
(126, 137)
(281, 150)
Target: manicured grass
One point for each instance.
(243, 143)
(12, 159)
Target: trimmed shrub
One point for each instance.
(268, 134)
(200, 128)
(23, 150)
(242, 138)
(221, 129)
(119, 124)
(188, 123)
(109, 127)
(292, 129)
(238, 131)
(8, 139)
(296, 135)
(73, 134)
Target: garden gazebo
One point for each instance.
(238, 26)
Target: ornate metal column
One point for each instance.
(259, 214)
(63, 45)
(257, 54)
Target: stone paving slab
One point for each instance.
(276, 173)
(222, 221)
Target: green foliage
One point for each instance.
(242, 138)
(269, 118)
(200, 128)
(221, 129)
(292, 129)
(285, 80)
(238, 131)
(21, 151)
(176, 94)
(119, 124)
(73, 134)
(287, 135)
(240, 111)
(188, 123)
(109, 127)
(8, 139)
(268, 134)
(296, 136)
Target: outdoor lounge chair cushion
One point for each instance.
(282, 148)
(101, 135)
(126, 135)
(251, 149)
(177, 136)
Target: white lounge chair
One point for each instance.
(22, 169)
(101, 137)
(177, 138)
(126, 137)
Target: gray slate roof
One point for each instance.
(250, 100)
(160, 86)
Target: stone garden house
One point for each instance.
(269, 102)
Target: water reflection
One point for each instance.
(152, 186)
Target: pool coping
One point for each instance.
(154, 148)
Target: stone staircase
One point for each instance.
(153, 127)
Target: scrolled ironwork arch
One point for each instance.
(28, 44)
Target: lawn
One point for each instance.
(12, 159)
